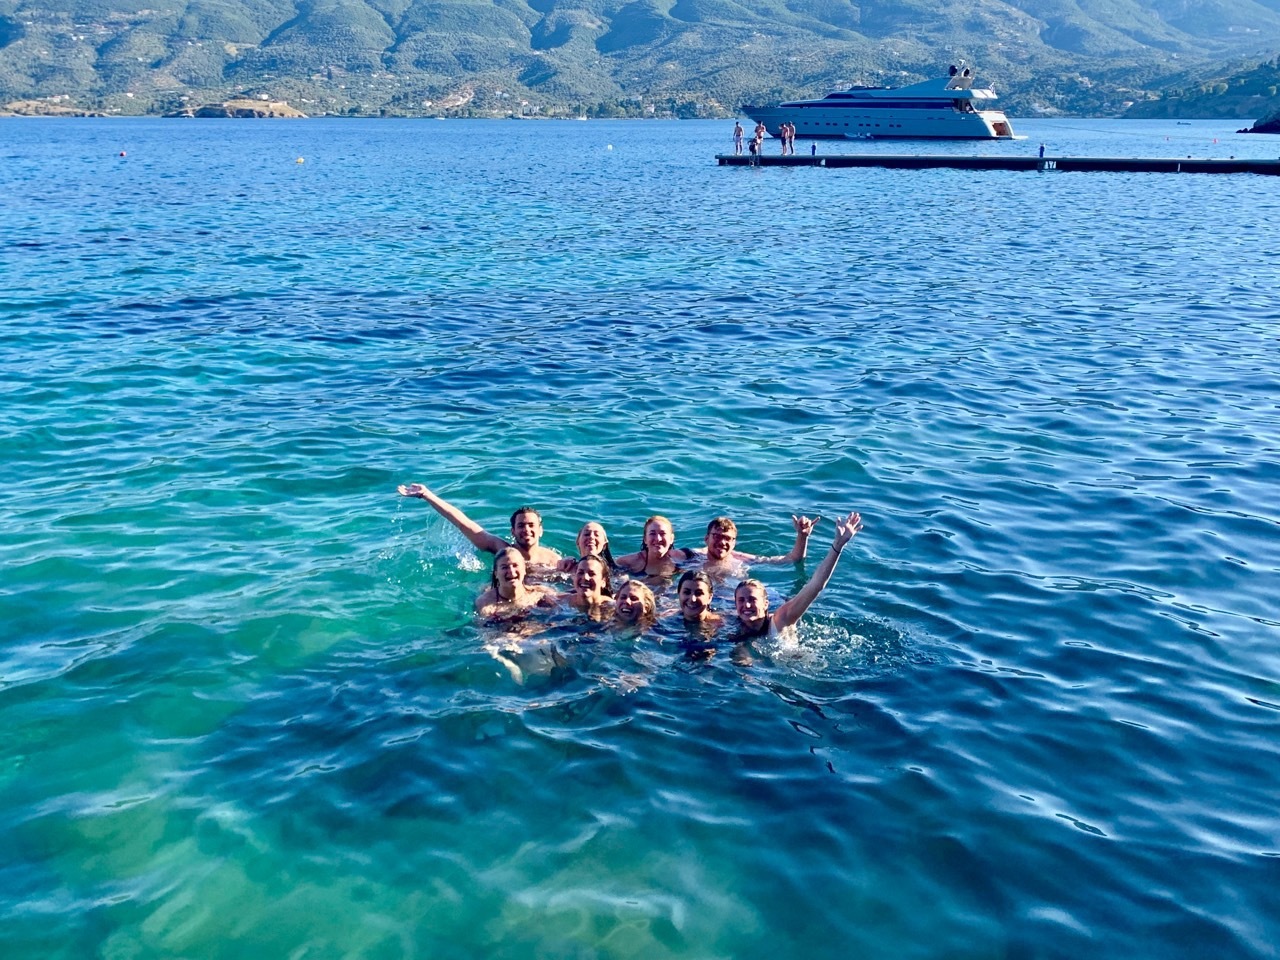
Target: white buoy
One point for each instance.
(609, 147)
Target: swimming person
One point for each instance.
(508, 595)
(526, 528)
(657, 556)
(693, 597)
(751, 602)
(693, 593)
(592, 541)
(592, 590)
(723, 560)
(635, 604)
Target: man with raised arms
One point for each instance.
(722, 560)
(526, 529)
(751, 602)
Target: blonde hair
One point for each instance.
(493, 572)
(658, 518)
(648, 602)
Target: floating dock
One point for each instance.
(1067, 164)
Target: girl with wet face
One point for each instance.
(693, 593)
(658, 555)
(508, 595)
(751, 602)
(592, 541)
(592, 589)
(635, 605)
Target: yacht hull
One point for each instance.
(839, 123)
(944, 108)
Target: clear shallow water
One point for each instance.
(246, 712)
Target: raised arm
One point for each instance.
(794, 609)
(480, 538)
(804, 527)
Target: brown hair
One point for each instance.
(521, 510)
(722, 523)
(608, 582)
(697, 575)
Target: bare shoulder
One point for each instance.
(486, 599)
(544, 556)
(634, 562)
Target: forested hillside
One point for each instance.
(691, 57)
(1245, 91)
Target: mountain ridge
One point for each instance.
(530, 57)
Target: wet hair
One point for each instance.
(745, 632)
(493, 572)
(605, 553)
(607, 590)
(648, 603)
(658, 518)
(697, 575)
(520, 510)
(722, 523)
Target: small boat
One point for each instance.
(946, 108)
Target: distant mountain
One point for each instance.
(1249, 91)
(607, 56)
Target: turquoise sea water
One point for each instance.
(246, 711)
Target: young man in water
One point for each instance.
(526, 529)
(722, 560)
(751, 602)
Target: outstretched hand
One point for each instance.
(804, 526)
(846, 528)
(412, 490)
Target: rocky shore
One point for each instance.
(241, 109)
(1268, 124)
(43, 108)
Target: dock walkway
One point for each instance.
(1066, 164)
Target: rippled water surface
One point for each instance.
(247, 712)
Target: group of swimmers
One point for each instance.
(521, 566)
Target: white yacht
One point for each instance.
(948, 108)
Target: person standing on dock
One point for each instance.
(1042, 151)
(737, 137)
